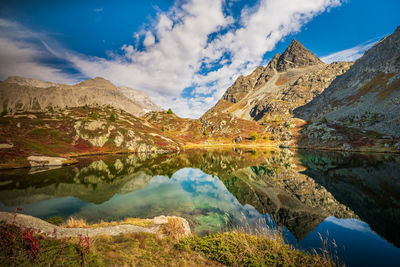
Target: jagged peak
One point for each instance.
(295, 56)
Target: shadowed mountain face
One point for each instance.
(367, 96)
(269, 181)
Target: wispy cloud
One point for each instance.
(98, 10)
(22, 52)
(350, 54)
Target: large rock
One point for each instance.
(40, 161)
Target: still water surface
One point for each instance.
(352, 200)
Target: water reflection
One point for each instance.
(304, 192)
(367, 184)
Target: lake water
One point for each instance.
(350, 200)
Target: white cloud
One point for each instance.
(20, 56)
(173, 63)
(177, 47)
(350, 54)
(98, 10)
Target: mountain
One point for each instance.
(367, 96)
(288, 81)
(25, 94)
(140, 97)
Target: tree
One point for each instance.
(95, 116)
(113, 117)
(170, 111)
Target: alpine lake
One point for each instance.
(346, 203)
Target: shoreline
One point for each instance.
(72, 159)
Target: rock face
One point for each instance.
(140, 98)
(296, 56)
(17, 93)
(288, 81)
(367, 96)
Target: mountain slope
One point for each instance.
(367, 96)
(17, 93)
(140, 98)
(287, 82)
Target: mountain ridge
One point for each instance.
(18, 93)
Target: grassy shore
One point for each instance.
(20, 247)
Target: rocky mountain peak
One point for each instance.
(97, 82)
(296, 55)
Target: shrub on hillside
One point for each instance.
(253, 136)
(95, 116)
(113, 117)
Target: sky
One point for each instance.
(185, 53)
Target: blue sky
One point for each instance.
(183, 53)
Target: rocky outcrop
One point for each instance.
(40, 161)
(17, 93)
(367, 96)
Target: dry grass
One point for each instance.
(81, 223)
(174, 228)
(378, 84)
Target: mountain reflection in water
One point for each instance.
(303, 192)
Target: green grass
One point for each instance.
(144, 249)
(34, 146)
(22, 247)
(242, 249)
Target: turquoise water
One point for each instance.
(352, 200)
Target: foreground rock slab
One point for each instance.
(49, 229)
